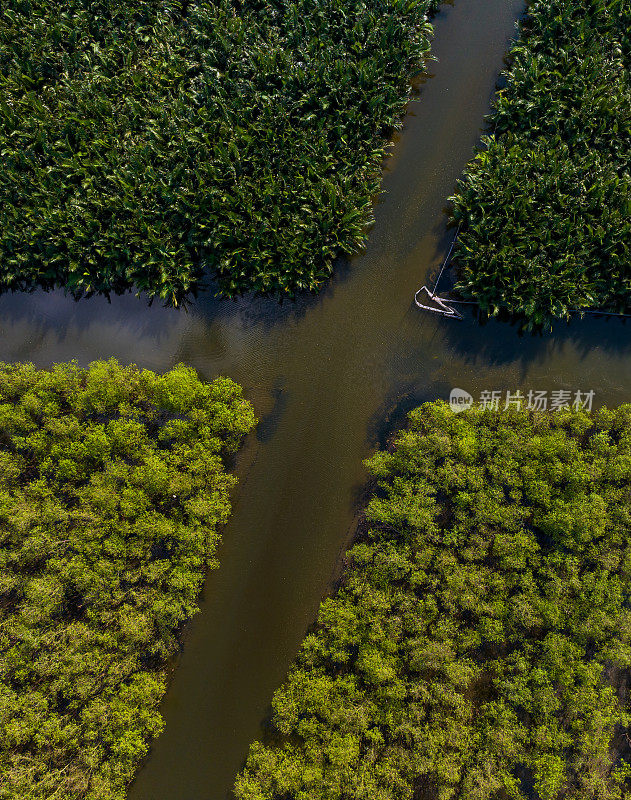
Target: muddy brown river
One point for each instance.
(329, 376)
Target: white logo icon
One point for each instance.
(459, 400)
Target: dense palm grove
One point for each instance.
(112, 487)
(480, 644)
(145, 142)
(546, 206)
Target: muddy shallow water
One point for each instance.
(329, 376)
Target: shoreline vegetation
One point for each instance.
(113, 488)
(148, 143)
(545, 206)
(479, 645)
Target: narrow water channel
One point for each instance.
(328, 376)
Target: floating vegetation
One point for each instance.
(112, 488)
(479, 646)
(545, 207)
(148, 141)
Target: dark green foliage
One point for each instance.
(143, 142)
(480, 644)
(112, 487)
(546, 206)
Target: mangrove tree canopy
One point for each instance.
(112, 488)
(545, 207)
(479, 646)
(145, 141)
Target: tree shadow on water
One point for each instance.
(500, 342)
(391, 416)
(266, 311)
(44, 311)
(270, 418)
(27, 319)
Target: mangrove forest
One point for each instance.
(148, 143)
(113, 485)
(452, 622)
(545, 207)
(478, 645)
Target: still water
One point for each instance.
(328, 376)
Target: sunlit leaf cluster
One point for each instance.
(545, 207)
(480, 644)
(112, 486)
(145, 142)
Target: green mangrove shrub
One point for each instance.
(479, 646)
(545, 206)
(147, 141)
(113, 484)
